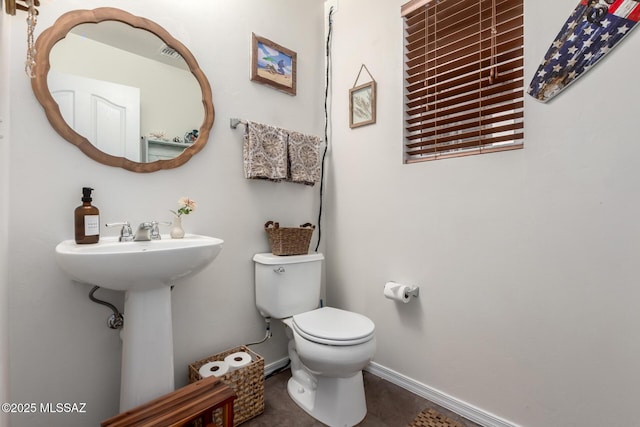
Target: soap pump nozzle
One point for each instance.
(86, 194)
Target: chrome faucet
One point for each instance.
(143, 233)
(126, 234)
(155, 229)
(149, 231)
(146, 231)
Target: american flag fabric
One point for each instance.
(594, 28)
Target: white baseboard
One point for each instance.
(274, 366)
(464, 409)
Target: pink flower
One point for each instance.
(187, 205)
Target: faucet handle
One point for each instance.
(155, 229)
(126, 234)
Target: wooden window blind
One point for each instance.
(464, 77)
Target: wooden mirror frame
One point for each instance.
(58, 31)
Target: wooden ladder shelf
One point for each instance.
(179, 408)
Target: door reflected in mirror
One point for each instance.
(122, 89)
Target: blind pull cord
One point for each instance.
(493, 74)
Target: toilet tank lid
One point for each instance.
(271, 259)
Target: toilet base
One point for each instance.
(336, 402)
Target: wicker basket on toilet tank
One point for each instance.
(289, 240)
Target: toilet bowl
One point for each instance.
(328, 349)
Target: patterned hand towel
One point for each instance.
(265, 152)
(304, 158)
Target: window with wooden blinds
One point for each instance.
(464, 77)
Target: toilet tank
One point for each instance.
(287, 285)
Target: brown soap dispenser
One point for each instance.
(87, 220)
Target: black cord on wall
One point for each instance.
(326, 124)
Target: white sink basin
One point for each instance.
(145, 271)
(125, 266)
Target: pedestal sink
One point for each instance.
(145, 271)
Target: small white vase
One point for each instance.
(177, 232)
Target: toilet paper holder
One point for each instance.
(413, 291)
(408, 292)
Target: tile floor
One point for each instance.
(387, 406)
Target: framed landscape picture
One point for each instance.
(273, 65)
(362, 105)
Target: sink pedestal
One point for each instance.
(147, 347)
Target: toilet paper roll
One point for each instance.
(238, 359)
(217, 368)
(397, 292)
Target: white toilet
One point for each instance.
(328, 347)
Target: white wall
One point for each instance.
(527, 260)
(4, 213)
(61, 349)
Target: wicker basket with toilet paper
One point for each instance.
(241, 369)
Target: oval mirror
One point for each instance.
(122, 89)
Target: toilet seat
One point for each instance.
(333, 326)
